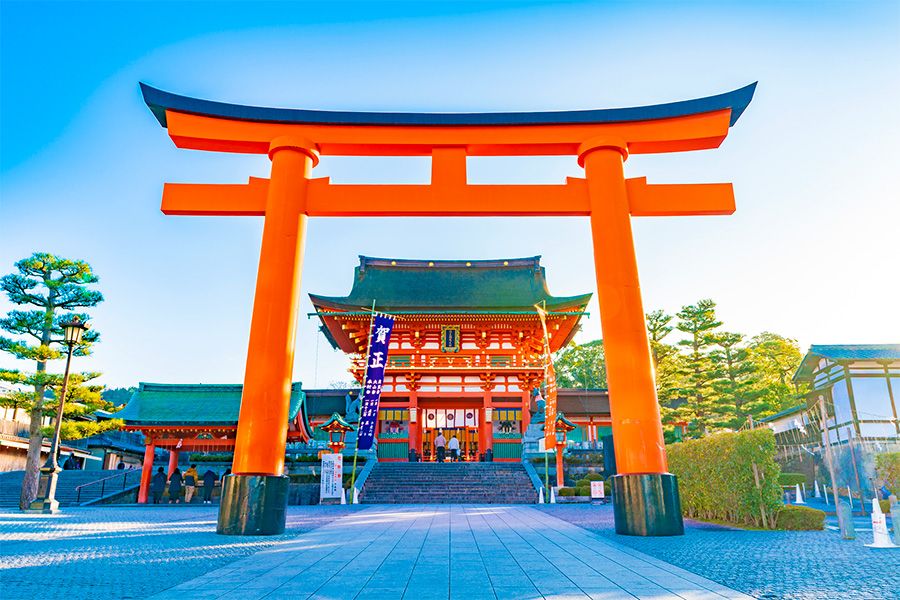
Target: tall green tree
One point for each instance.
(698, 323)
(581, 366)
(733, 382)
(51, 288)
(776, 359)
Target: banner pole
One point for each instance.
(365, 374)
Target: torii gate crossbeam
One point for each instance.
(645, 494)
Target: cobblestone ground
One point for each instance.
(801, 565)
(126, 552)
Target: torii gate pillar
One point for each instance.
(645, 494)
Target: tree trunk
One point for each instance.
(32, 479)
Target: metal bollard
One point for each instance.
(848, 531)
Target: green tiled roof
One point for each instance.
(192, 404)
(848, 352)
(447, 285)
(786, 412)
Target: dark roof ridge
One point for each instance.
(371, 261)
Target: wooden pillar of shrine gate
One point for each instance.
(146, 471)
(173, 462)
(254, 497)
(645, 495)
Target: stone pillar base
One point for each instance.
(647, 505)
(253, 505)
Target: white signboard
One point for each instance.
(597, 490)
(332, 476)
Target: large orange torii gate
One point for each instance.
(644, 493)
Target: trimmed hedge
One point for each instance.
(730, 477)
(565, 491)
(594, 477)
(583, 491)
(583, 483)
(791, 479)
(800, 518)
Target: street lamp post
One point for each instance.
(74, 329)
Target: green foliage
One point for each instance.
(790, 479)
(885, 506)
(565, 491)
(583, 491)
(717, 480)
(581, 366)
(775, 359)
(800, 518)
(118, 396)
(223, 457)
(593, 477)
(887, 465)
(583, 483)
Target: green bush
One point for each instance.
(594, 477)
(583, 483)
(730, 477)
(215, 457)
(800, 518)
(791, 479)
(885, 506)
(887, 465)
(583, 491)
(566, 491)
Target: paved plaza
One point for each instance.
(419, 551)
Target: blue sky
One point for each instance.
(810, 253)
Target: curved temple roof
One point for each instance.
(159, 101)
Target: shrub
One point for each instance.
(565, 491)
(885, 506)
(583, 491)
(594, 477)
(888, 467)
(730, 477)
(583, 483)
(791, 479)
(800, 518)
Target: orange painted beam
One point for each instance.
(212, 199)
(668, 200)
(694, 132)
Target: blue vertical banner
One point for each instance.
(379, 338)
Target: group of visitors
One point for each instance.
(441, 445)
(189, 481)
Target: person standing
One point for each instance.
(440, 446)
(175, 486)
(70, 464)
(190, 483)
(209, 482)
(158, 485)
(453, 446)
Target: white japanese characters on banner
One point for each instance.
(550, 383)
(332, 476)
(379, 338)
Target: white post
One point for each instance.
(552, 496)
(880, 537)
(355, 495)
(799, 498)
(817, 492)
(343, 497)
(541, 496)
(850, 497)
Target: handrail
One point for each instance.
(124, 475)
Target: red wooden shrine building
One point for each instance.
(465, 354)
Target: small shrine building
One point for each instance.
(466, 352)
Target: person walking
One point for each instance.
(440, 446)
(190, 483)
(158, 485)
(70, 464)
(209, 482)
(453, 446)
(175, 482)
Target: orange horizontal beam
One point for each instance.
(676, 134)
(212, 199)
(665, 200)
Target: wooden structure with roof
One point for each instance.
(194, 418)
(466, 351)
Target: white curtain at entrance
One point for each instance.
(450, 418)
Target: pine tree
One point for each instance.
(698, 322)
(55, 287)
(734, 383)
(776, 359)
(667, 363)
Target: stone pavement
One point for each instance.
(124, 551)
(463, 551)
(796, 565)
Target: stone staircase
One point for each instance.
(448, 483)
(66, 488)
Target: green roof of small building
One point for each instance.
(785, 413)
(844, 352)
(192, 404)
(472, 286)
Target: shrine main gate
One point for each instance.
(645, 495)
